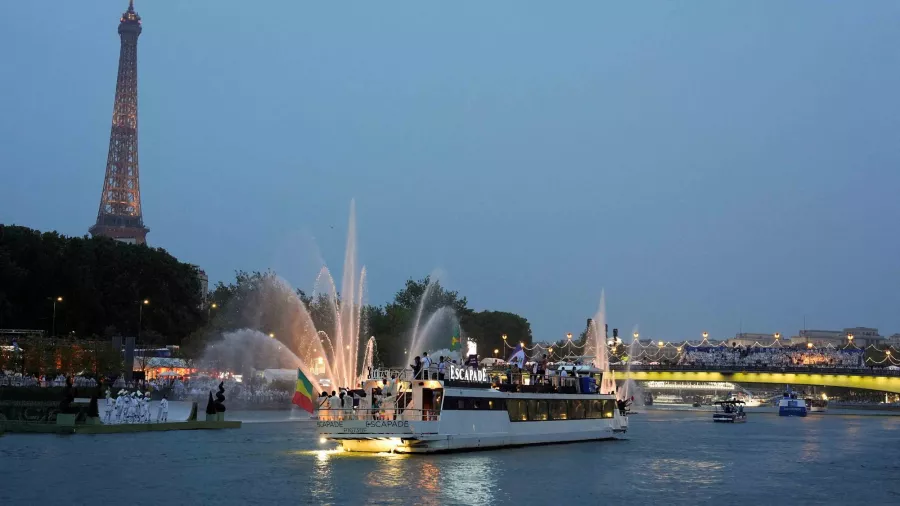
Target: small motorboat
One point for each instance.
(730, 411)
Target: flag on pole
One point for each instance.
(518, 356)
(303, 395)
(455, 342)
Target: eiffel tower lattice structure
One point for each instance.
(120, 215)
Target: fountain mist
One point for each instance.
(332, 351)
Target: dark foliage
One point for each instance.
(101, 282)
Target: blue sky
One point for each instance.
(709, 164)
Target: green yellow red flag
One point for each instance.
(303, 395)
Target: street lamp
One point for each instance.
(141, 305)
(777, 336)
(272, 335)
(53, 331)
(849, 338)
(569, 336)
(705, 334)
(809, 345)
(660, 344)
(636, 336)
(496, 352)
(209, 309)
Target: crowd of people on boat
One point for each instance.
(772, 357)
(384, 401)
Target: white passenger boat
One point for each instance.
(790, 405)
(470, 410)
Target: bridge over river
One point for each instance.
(879, 379)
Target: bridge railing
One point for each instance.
(822, 369)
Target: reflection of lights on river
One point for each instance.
(429, 475)
(471, 483)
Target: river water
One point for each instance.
(671, 457)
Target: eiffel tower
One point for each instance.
(120, 215)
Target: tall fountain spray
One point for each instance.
(431, 331)
(333, 352)
(596, 338)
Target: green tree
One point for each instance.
(101, 282)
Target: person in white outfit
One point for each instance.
(388, 400)
(109, 407)
(131, 406)
(145, 415)
(120, 405)
(162, 412)
(426, 366)
(334, 406)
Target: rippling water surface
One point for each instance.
(671, 458)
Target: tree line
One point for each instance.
(97, 288)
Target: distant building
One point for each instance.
(750, 339)
(862, 336)
(893, 340)
(204, 283)
(865, 336)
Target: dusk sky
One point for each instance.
(711, 165)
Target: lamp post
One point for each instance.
(141, 305)
(53, 329)
(849, 338)
(496, 352)
(705, 334)
(777, 336)
(209, 310)
(809, 345)
(272, 335)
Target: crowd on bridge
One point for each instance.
(720, 356)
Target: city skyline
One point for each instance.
(703, 165)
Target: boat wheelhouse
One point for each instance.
(790, 405)
(730, 411)
(471, 409)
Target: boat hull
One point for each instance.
(725, 418)
(449, 444)
(792, 411)
(466, 431)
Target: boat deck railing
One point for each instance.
(387, 374)
(387, 414)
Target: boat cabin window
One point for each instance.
(538, 410)
(474, 403)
